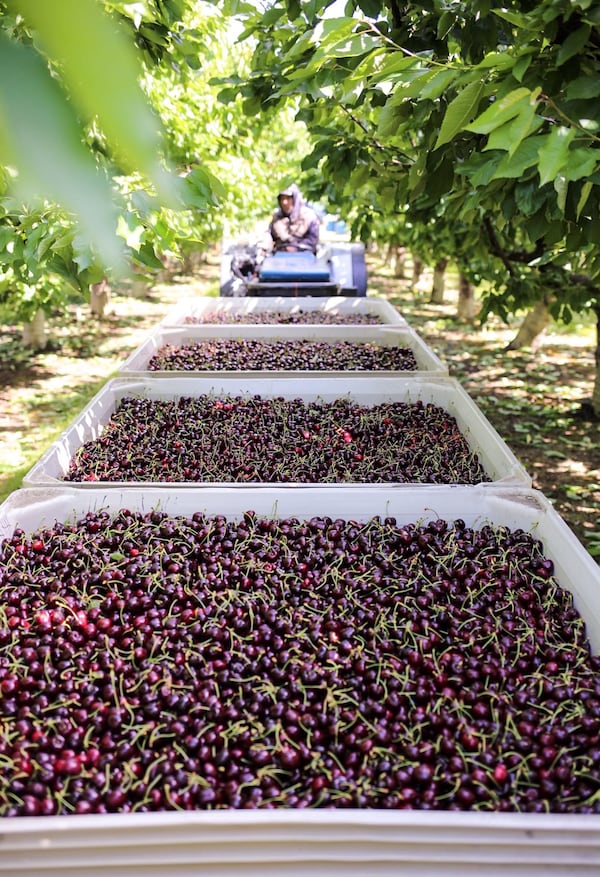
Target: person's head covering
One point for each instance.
(294, 192)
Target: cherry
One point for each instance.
(272, 663)
(277, 440)
(295, 317)
(250, 354)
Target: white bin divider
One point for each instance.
(202, 306)
(394, 336)
(498, 461)
(512, 506)
(302, 843)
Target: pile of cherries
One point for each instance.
(258, 354)
(298, 317)
(251, 438)
(152, 662)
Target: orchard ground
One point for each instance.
(532, 397)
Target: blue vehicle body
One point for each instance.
(286, 267)
(337, 269)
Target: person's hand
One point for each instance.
(281, 230)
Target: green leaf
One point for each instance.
(594, 548)
(100, 66)
(573, 44)
(585, 194)
(413, 84)
(519, 21)
(581, 163)
(394, 66)
(147, 257)
(525, 156)
(203, 188)
(83, 260)
(174, 10)
(6, 236)
(359, 177)
(529, 198)
(416, 175)
(44, 245)
(501, 111)
(293, 8)
(271, 16)
(390, 117)
(583, 88)
(482, 172)
(404, 83)
(561, 188)
(155, 34)
(537, 225)
(351, 46)
(445, 24)
(301, 45)
(371, 8)
(496, 61)
(509, 135)
(521, 67)
(439, 183)
(458, 113)
(553, 153)
(44, 145)
(437, 84)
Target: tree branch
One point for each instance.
(509, 257)
(373, 140)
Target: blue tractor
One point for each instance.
(338, 268)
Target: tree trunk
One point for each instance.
(34, 333)
(418, 268)
(439, 282)
(397, 259)
(99, 297)
(466, 300)
(172, 265)
(533, 326)
(193, 260)
(595, 403)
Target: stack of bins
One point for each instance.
(292, 841)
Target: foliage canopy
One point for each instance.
(470, 129)
(477, 120)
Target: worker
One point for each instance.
(294, 226)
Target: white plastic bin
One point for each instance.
(305, 843)
(512, 505)
(203, 306)
(302, 843)
(397, 336)
(498, 461)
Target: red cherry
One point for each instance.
(500, 773)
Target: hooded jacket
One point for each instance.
(299, 229)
